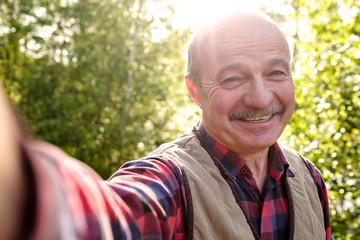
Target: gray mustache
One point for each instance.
(254, 113)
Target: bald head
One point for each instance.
(251, 27)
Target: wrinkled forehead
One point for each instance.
(244, 28)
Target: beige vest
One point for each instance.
(213, 210)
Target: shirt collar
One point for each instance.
(233, 165)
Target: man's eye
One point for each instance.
(230, 80)
(276, 73)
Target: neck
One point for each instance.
(258, 164)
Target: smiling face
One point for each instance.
(246, 92)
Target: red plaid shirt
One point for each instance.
(267, 210)
(145, 199)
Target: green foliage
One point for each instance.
(80, 89)
(325, 126)
(65, 64)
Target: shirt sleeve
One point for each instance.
(323, 196)
(144, 199)
(154, 191)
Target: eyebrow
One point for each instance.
(279, 61)
(227, 67)
(237, 65)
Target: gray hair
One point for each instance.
(193, 69)
(192, 64)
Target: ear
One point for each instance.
(193, 90)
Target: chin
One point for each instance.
(259, 142)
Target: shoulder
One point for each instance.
(187, 140)
(291, 155)
(156, 167)
(319, 181)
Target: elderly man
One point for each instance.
(226, 179)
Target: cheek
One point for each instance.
(287, 100)
(222, 101)
(214, 107)
(285, 93)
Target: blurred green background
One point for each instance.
(103, 79)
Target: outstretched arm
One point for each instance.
(58, 197)
(145, 199)
(12, 183)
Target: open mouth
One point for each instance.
(259, 119)
(256, 116)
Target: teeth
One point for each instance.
(258, 119)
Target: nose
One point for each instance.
(259, 94)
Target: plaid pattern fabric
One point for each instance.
(153, 190)
(145, 199)
(267, 210)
